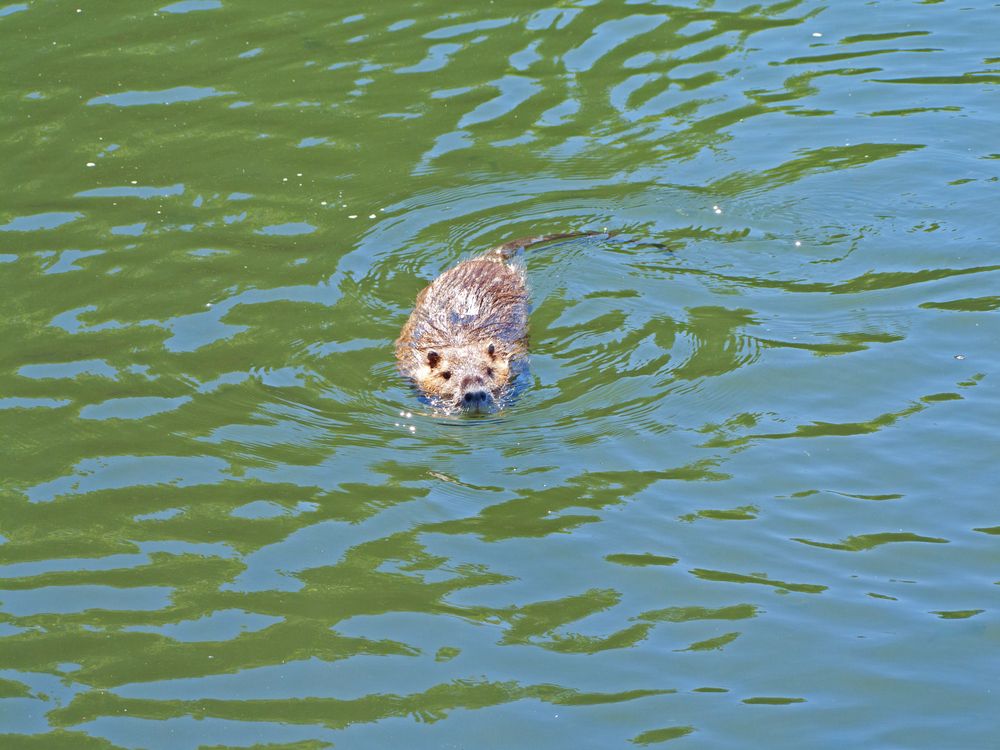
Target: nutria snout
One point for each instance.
(467, 336)
(476, 395)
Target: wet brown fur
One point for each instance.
(445, 346)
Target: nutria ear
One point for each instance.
(433, 358)
(490, 349)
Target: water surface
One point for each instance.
(746, 499)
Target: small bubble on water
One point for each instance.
(717, 209)
(91, 164)
(817, 34)
(353, 216)
(413, 428)
(959, 356)
(798, 243)
(372, 216)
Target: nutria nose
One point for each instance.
(476, 400)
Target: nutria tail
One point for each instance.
(507, 249)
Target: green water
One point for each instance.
(747, 498)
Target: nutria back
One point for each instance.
(468, 332)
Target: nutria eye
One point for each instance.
(445, 374)
(489, 372)
(490, 350)
(433, 358)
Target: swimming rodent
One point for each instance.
(468, 332)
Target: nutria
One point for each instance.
(468, 333)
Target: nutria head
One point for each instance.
(469, 377)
